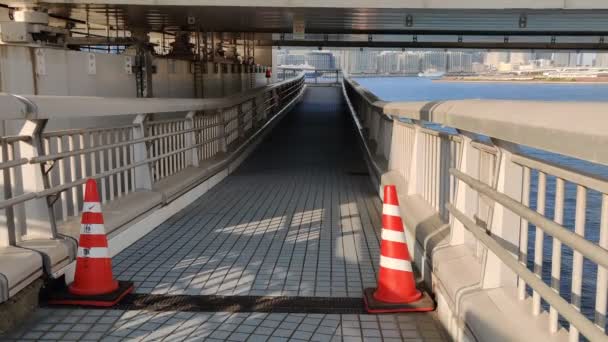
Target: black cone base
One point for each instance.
(425, 303)
(64, 297)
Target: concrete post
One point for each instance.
(191, 154)
(505, 225)
(143, 178)
(466, 198)
(414, 183)
(240, 122)
(223, 136)
(39, 217)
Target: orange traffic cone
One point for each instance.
(93, 281)
(396, 291)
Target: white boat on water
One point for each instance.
(431, 74)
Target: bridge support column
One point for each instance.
(143, 178)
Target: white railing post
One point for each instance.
(466, 198)
(505, 224)
(38, 218)
(143, 178)
(415, 180)
(223, 135)
(240, 121)
(192, 153)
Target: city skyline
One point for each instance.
(376, 61)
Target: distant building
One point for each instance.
(565, 59)
(586, 59)
(409, 62)
(388, 62)
(505, 67)
(547, 55)
(493, 59)
(520, 58)
(295, 59)
(321, 60)
(459, 61)
(601, 60)
(363, 61)
(434, 61)
(479, 67)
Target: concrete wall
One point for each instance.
(49, 71)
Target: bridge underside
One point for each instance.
(299, 218)
(381, 24)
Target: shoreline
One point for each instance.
(520, 81)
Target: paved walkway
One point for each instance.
(299, 218)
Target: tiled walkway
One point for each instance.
(299, 218)
(115, 325)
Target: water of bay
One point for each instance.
(421, 89)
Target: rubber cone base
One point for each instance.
(372, 305)
(64, 297)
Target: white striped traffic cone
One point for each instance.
(93, 281)
(396, 291)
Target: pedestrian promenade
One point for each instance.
(299, 218)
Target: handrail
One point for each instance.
(577, 176)
(370, 156)
(575, 317)
(366, 94)
(590, 250)
(442, 173)
(48, 107)
(529, 123)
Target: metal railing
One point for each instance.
(321, 77)
(472, 162)
(166, 136)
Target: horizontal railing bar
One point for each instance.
(580, 177)
(66, 186)
(484, 147)
(14, 138)
(62, 155)
(165, 121)
(523, 122)
(47, 107)
(58, 189)
(69, 132)
(13, 163)
(13, 201)
(590, 250)
(575, 317)
(369, 97)
(360, 128)
(433, 132)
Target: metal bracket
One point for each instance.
(460, 39)
(506, 40)
(326, 37)
(523, 21)
(409, 20)
(415, 38)
(602, 40)
(282, 36)
(48, 166)
(553, 40)
(370, 38)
